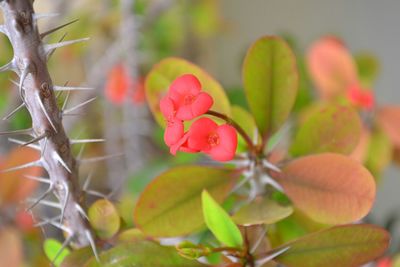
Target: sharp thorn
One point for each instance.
(43, 196)
(39, 179)
(38, 16)
(48, 53)
(79, 105)
(96, 159)
(271, 166)
(46, 221)
(66, 100)
(261, 262)
(268, 180)
(81, 150)
(13, 112)
(46, 203)
(87, 181)
(81, 211)
(44, 34)
(84, 141)
(45, 112)
(92, 244)
(34, 140)
(23, 143)
(96, 194)
(10, 66)
(17, 132)
(61, 226)
(49, 48)
(71, 88)
(258, 241)
(23, 166)
(64, 206)
(62, 162)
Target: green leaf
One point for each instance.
(51, 249)
(78, 257)
(142, 254)
(171, 204)
(329, 188)
(368, 68)
(331, 128)
(261, 211)
(270, 80)
(164, 73)
(104, 218)
(379, 153)
(219, 222)
(344, 246)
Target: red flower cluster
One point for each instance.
(360, 97)
(186, 101)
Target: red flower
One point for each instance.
(189, 101)
(219, 142)
(118, 82)
(385, 262)
(360, 97)
(174, 130)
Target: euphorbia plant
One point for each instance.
(322, 182)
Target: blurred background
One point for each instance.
(126, 42)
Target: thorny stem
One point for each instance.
(240, 130)
(29, 62)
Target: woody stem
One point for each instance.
(238, 128)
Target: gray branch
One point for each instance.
(36, 90)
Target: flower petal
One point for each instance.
(200, 105)
(167, 107)
(226, 149)
(199, 133)
(182, 145)
(173, 132)
(183, 85)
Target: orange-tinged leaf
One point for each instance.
(329, 188)
(13, 185)
(344, 246)
(389, 119)
(360, 151)
(166, 71)
(171, 204)
(331, 67)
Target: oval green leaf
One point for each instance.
(331, 128)
(171, 204)
(52, 250)
(270, 80)
(380, 152)
(165, 72)
(143, 254)
(329, 188)
(261, 211)
(104, 218)
(219, 222)
(344, 246)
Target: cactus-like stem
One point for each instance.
(37, 93)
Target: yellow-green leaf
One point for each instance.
(104, 218)
(219, 222)
(52, 250)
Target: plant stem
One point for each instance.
(238, 128)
